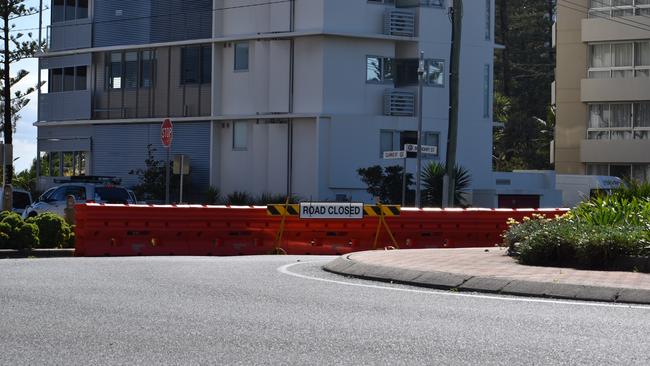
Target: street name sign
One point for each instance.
(401, 154)
(426, 149)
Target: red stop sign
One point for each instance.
(166, 134)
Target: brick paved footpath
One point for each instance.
(491, 270)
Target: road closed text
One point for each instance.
(325, 210)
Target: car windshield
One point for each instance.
(112, 195)
(47, 194)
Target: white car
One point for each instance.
(54, 199)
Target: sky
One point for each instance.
(25, 136)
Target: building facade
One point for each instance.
(602, 88)
(265, 96)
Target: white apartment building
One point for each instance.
(265, 96)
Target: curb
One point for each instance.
(346, 266)
(37, 253)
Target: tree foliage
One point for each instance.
(385, 183)
(16, 46)
(524, 71)
(432, 183)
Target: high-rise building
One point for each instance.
(602, 88)
(265, 96)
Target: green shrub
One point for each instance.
(600, 246)
(27, 236)
(240, 199)
(54, 232)
(5, 236)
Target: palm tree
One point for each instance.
(432, 175)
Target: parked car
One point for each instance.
(21, 200)
(91, 190)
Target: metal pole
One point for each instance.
(404, 183)
(180, 200)
(452, 135)
(167, 176)
(38, 94)
(418, 197)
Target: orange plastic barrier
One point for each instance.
(121, 230)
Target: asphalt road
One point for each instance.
(285, 311)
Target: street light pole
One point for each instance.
(418, 195)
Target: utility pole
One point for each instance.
(454, 86)
(418, 195)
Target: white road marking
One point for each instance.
(285, 270)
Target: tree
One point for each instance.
(152, 179)
(432, 178)
(386, 183)
(16, 46)
(524, 71)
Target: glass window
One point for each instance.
(82, 9)
(190, 65)
(58, 195)
(131, 70)
(81, 78)
(115, 70)
(435, 75)
(70, 10)
(642, 115)
(599, 116)
(623, 55)
(206, 64)
(241, 56)
(601, 55)
(146, 74)
(642, 53)
(56, 80)
(78, 192)
(622, 171)
(641, 172)
(488, 20)
(431, 139)
(621, 115)
(68, 79)
(240, 135)
(373, 69)
(58, 11)
(597, 169)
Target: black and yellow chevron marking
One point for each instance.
(283, 210)
(378, 210)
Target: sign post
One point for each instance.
(166, 137)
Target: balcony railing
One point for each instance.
(399, 103)
(399, 23)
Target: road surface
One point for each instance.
(286, 310)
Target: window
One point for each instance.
(619, 60)
(619, 121)
(67, 79)
(241, 56)
(196, 64)
(618, 8)
(146, 69)
(486, 91)
(435, 75)
(131, 69)
(639, 172)
(115, 70)
(379, 70)
(66, 10)
(386, 140)
(240, 136)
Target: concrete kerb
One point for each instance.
(346, 266)
(37, 253)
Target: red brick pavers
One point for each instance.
(494, 262)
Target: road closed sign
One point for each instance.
(331, 210)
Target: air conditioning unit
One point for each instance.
(399, 23)
(399, 103)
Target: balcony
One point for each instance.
(614, 151)
(614, 90)
(64, 106)
(399, 23)
(399, 102)
(70, 35)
